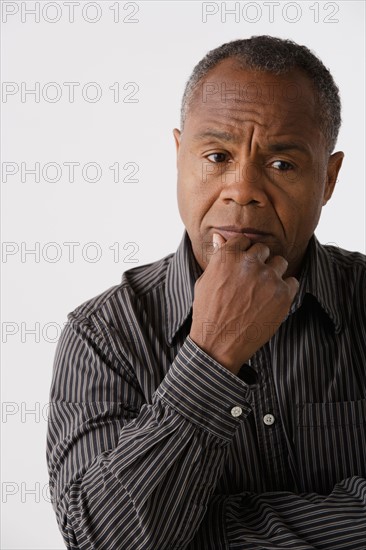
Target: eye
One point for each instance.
(218, 157)
(282, 165)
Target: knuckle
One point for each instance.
(267, 273)
(281, 292)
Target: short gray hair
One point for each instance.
(277, 56)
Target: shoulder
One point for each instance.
(136, 283)
(349, 271)
(348, 264)
(345, 259)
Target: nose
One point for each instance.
(244, 184)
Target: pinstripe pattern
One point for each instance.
(144, 453)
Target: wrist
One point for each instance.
(225, 361)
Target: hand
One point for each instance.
(240, 300)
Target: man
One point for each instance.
(216, 398)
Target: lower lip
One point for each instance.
(255, 237)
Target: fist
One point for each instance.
(240, 300)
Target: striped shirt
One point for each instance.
(154, 445)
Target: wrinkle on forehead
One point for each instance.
(232, 125)
(265, 136)
(232, 129)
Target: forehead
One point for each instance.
(232, 97)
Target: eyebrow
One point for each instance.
(288, 146)
(276, 147)
(217, 134)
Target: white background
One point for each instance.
(157, 52)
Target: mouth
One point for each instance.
(230, 231)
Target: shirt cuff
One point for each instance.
(205, 392)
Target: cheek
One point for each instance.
(313, 206)
(300, 214)
(195, 193)
(189, 202)
(182, 198)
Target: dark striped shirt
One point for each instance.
(152, 444)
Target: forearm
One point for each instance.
(286, 520)
(150, 492)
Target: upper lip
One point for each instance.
(237, 229)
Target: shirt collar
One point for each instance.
(182, 273)
(318, 277)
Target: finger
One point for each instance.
(279, 264)
(293, 284)
(217, 241)
(239, 243)
(258, 251)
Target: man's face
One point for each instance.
(252, 158)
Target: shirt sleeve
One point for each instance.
(125, 472)
(286, 520)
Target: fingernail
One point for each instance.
(215, 241)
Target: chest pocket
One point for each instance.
(330, 443)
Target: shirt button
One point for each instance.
(236, 411)
(268, 419)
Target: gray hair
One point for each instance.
(277, 56)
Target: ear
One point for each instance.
(177, 135)
(334, 165)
